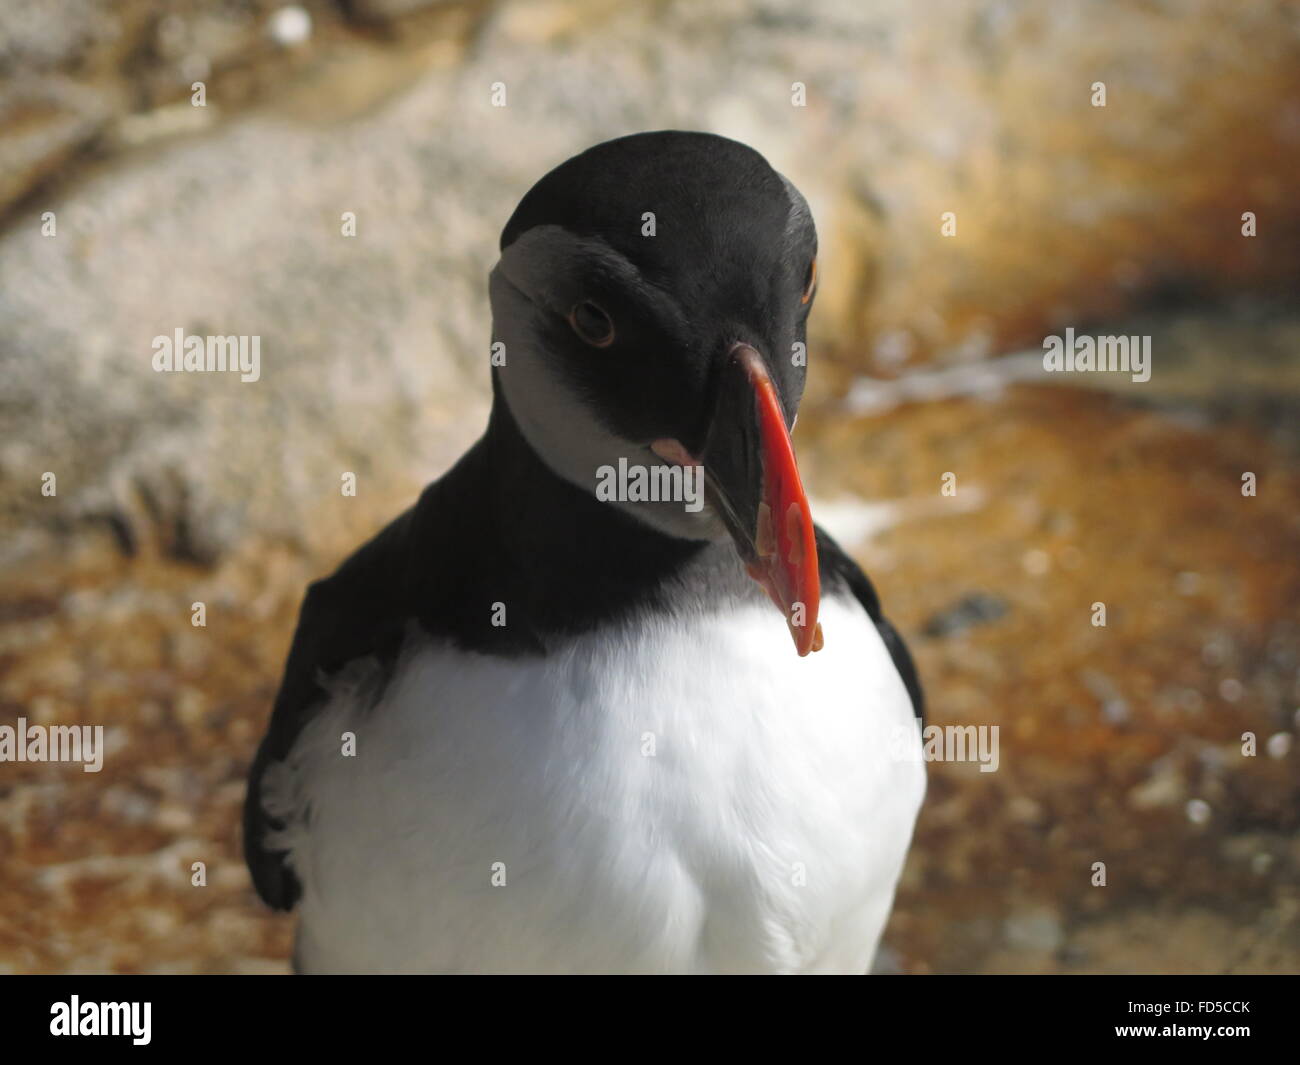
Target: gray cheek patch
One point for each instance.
(535, 273)
(548, 264)
(540, 265)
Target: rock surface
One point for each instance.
(227, 219)
(1120, 744)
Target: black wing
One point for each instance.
(437, 566)
(358, 611)
(834, 562)
(442, 565)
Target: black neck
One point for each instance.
(559, 559)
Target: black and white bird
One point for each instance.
(581, 740)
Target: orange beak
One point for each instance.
(754, 483)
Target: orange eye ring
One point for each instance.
(592, 324)
(810, 286)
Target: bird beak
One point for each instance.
(752, 480)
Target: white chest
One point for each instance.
(684, 795)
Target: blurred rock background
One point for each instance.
(1119, 744)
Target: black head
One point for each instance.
(630, 277)
(730, 259)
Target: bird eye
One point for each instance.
(810, 282)
(592, 324)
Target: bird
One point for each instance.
(530, 728)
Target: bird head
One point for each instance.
(651, 298)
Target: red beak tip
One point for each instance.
(806, 644)
(785, 540)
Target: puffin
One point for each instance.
(552, 722)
